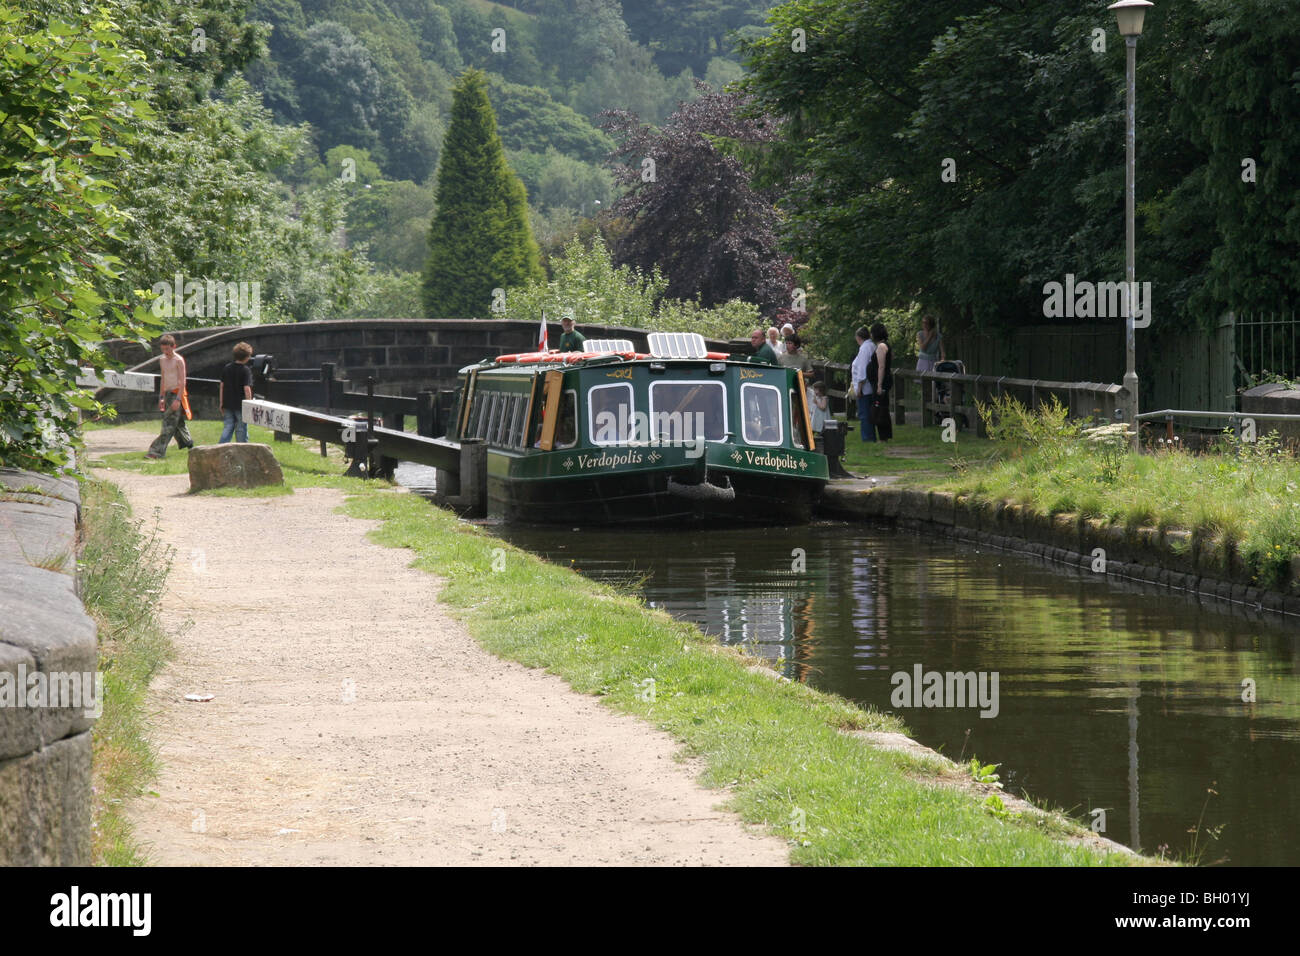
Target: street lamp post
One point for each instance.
(1130, 14)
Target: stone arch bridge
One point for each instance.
(405, 356)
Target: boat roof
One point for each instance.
(678, 348)
(549, 361)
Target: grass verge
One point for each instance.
(1245, 493)
(779, 748)
(918, 456)
(124, 567)
(786, 754)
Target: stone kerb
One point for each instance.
(47, 642)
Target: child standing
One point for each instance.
(172, 386)
(236, 385)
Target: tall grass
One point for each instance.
(1245, 492)
(124, 567)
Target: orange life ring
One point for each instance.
(528, 358)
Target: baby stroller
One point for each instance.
(941, 389)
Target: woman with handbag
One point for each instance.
(880, 373)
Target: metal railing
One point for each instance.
(1267, 343)
(1237, 421)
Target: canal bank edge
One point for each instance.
(1175, 559)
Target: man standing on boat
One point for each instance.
(571, 340)
(763, 352)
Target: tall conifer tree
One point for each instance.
(480, 239)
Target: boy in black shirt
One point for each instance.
(236, 385)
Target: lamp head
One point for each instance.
(1130, 14)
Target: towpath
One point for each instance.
(355, 721)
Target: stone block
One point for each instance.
(39, 531)
(913, 505)
(942, 507)
(413, 337)
(51, 486)
(354, 357)
(45, 629)
(963, 513)
(1065, 531)
(45, 805)
(233, 465)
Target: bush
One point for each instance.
(596, 292)
(69, 119)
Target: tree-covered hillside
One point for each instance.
(372, 80)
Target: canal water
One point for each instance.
(1114, 698)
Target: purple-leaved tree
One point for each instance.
(692, 209)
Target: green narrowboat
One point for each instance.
(613, 436)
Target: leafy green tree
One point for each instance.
(1243, 96)
(685, 34)
(193, 192)
(632, 83)
(388, 295)
(530, 120)
(346, 163)
(554, 179)
(959, 155)
(392, 220)
(338, 86)
(480, 239)
(67, 117)
(576, 35)
(587, 284)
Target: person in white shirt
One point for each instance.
(859, 386)
(774, 340)
(818, 406)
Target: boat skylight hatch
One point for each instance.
(608, 345)
(680, 345)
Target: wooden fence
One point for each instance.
(943, 395)
(1177, 368)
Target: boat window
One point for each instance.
(760, 408)
(796, 423)
(566, 427)
(609, 414)
(517, 423)
(501, 425)
(488, 406)
(677, 407)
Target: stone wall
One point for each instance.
(45, 797)
(404, 355)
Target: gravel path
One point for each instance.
(354, 721)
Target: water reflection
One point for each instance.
(1117, 698)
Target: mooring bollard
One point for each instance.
(473, 477)
(424, 413)
(833, 448)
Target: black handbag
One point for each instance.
(880, 411)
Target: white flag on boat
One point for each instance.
(541, 340)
